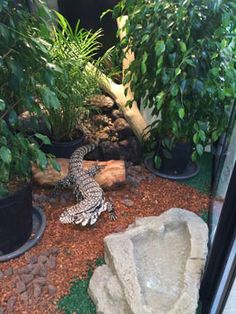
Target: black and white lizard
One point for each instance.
(88, 193)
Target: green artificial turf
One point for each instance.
(78, 300)
(202, 181)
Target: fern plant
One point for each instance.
(71, 51)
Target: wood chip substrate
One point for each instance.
(34, 282)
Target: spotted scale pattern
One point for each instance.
(88, 193)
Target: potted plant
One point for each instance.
(184, 70)
(71, 51)
(26, 76)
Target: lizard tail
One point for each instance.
(78, 156)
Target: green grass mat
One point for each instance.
(202, 181)
(77, 301)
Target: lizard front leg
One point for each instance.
(94, 170)
(64, 183)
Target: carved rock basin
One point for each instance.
(153, 267)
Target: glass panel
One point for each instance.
(224, 163)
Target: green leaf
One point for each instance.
(160, 61)
(41, 159)
(195, 138)
(183, 47)
(199, 149)
(43, 138)
(194, 156)
(143, 67)
(190, 62)
(5, 154)
(49, 97)
(159, 47)
(215, 72)
(143, 64)
(181, 113)
(55, 165)
(2, 105)
(177, 71)
(215, 136)
(202, 135)
(174, 90)
(157, 161)
(160, 99)
(12, 118)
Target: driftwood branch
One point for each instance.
(117, 91)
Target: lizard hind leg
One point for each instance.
(111, 210)
(77, 193)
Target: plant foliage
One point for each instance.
(184, 67)
(26, 80)
(71, 51)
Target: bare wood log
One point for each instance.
(111, 176)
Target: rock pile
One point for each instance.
(31, 280)
(110, 129)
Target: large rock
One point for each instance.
(154, 267)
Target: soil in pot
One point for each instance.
(15, 219)
(179, 158)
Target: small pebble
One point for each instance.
(20, 286)
(24, 297)
(33, 259)
(51, 263)
(28, 268)
(1, 274)
(127, 202)
(46, 253)
(43, 272)
(40, 280)
(27, 278)
(54, 250)
(37, 291)
(51, 289)
(36, 269)
(42, 259)
(10, 304)
(9, 272)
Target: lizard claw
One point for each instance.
(112, 216)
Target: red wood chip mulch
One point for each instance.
(77, 247)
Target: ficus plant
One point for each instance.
(184, 67)
(26, 80)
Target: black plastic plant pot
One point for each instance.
(63, 149)
(15, 219)
(179, 167)
(180, 158)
